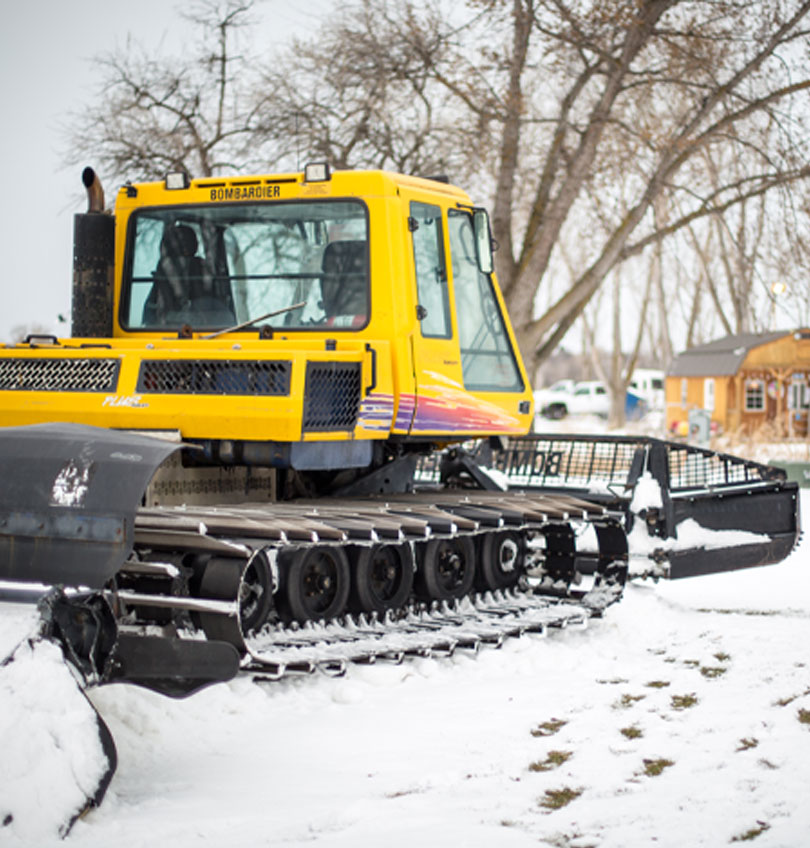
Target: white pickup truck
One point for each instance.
(565, 397)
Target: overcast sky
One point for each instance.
(46, 47)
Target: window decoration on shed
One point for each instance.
(754, 395)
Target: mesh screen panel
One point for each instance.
(214, 377)
(332, 396)
(60, 374)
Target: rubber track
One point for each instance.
(420, 629)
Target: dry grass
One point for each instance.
(752, 833)
(683, 702)
(712, 671)
(553, 760)
(556, 799)
(652, 768)
(627, 701)
(632, 732)
(549, 728)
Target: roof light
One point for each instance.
(177, 180)
(317, 172)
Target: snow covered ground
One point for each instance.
(679, 719)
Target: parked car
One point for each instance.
(649, 384)
(553, 402)
(589, 397)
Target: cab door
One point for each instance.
(437, 365)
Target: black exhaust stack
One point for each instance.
(93, 264)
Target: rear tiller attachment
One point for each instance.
(690, 511)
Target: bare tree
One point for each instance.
(376, 88)
(577, 119)
(190, 113)
(555, 103)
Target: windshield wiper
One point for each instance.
(253, 321)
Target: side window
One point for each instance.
(146, 255)
(487, 361)
(431, 271)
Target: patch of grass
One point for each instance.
(402, 793)
(747, 743)
(683, 702)
(652, 768)
(768, 764)
(556, 799)
(554, 760)
(712, 671)
(632, 732)
(692, 663)
(804, 716)
(752, 833)
(657, 684)
(549, 728)
(722, 656)
(613, 681)
(627, 701)
(783, 702)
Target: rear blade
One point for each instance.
(734, 530)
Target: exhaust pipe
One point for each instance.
(95, 193)
(93, 264)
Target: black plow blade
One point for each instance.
(68, 500)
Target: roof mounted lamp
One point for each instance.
(317, 172)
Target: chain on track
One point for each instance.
(421, 631)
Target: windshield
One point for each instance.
(215, 266)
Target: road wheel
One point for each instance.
(315, 583)
(255, 595)
(447, 568)
(383, 578)
(502, 560)
(229, 579)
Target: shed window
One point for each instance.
(754, 396)
(799, 396)
(708, 394)
(684, 391)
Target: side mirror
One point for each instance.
(483, 240)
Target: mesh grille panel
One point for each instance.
(610, 463)
(567, 462)
(690, 469)
(214, 377)
(58, 375)
(332, 396)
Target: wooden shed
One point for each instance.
(743, 382)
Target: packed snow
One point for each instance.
(681, 718)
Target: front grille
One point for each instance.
(214, 377)
(61, 374)
(332, 396)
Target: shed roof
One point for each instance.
(720, 358)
